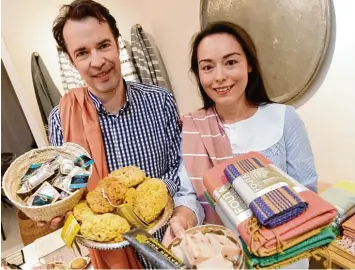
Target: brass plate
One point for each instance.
(291, 38)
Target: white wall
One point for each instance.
(328, 115)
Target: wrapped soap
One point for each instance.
(24, 188)
(79, 181)
(37, 173)
(42, 175)
(83, 161)
(46, 194)
(66, 166)
(76, 178)
(64, 194)
(54, 163)
(62, 182)
(31, 170)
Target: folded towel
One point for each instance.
(262, 241)
(284, 263)
(324, 237)
(275, 202)
(342, 196)
(349, 228)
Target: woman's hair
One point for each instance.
(255, 91)
(77, 11)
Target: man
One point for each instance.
(118, 122)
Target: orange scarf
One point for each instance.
(80, 125)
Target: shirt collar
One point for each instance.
(100, 107)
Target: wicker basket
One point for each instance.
(19, 167)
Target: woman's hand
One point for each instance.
(182, 219)
(56, 222)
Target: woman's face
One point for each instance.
(223, 69)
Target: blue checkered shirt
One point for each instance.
(145, 133)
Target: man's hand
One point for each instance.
(183, 219)
(55, 223)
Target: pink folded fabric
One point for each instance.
(260, 240)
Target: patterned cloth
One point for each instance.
(68, 73)
(347, 247)
(276, 206)
(349, 228)
(157, 152)
(144, 58)
(342, 196)
(323, 238)
(71, 78)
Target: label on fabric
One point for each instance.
(232, 204)
(260, 181)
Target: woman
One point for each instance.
(238, 116)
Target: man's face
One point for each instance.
(94, 52)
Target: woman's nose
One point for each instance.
(220, 75)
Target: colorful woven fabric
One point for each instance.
(349, 228)
(342, 196)
(323, 238)
(275, 207)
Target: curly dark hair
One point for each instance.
(78, 10)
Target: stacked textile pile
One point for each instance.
(349, 228)
(279, 220)
(342, 196)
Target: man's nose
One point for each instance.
(97, 60)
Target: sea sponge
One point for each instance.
(104, 228)
(114, 191)
(98, 203)
(82, 211)
(130, 176)
(151, 199)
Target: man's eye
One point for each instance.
(103, 46)
(81, 54)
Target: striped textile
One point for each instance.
(200, 152)
(128, 70)
(349, 228)
(273, 208)
(144, 58)
(342, 196)
(71, 78)
(68, 73)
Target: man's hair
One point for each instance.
(77, 11)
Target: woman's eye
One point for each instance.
(207, 68)
(231, 62)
